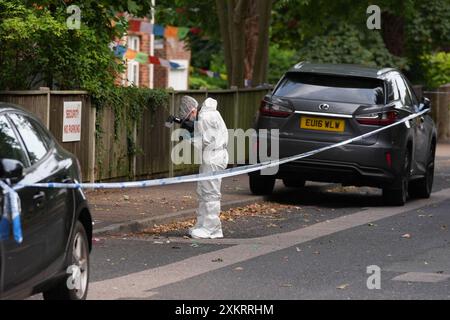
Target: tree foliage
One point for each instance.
(38, 49)
(437, 69)
(336, 31)
(346, 44)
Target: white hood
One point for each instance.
(210, 104)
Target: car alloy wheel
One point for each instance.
(80, 254)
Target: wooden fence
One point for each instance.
(104, 156)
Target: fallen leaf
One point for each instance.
(287, 285)
(343, 287)
(406, 236)
(239, 269)
(217, 260)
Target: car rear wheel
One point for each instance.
(75, 285)
(421, 188)
(399, 195)
(261, 185)
(294, 183)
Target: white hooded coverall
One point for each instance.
(212, 138)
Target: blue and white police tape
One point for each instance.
(11, 214)
(217, 174)
(204, 176)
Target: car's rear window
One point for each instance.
(331, 88)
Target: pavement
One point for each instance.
(137, 209)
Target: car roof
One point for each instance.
(341, 70)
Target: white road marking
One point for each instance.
(422, 277)
(143, 284)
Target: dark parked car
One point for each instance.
(315, 105)
(56, 223)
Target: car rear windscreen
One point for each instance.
(331, 88)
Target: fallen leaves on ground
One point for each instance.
(406, 236)
(164, 228)
(264, 210)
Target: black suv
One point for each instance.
(315, 105)
(56, 223)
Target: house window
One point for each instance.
(133, 66)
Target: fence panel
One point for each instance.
(84, 148)
(153, 142)
(440, 103)
(36, 102)
(112, 160)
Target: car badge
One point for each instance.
(324, 107)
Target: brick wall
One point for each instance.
(172, 49)
(161, 74)
(145, 43)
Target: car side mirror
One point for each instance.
(11, 169)
(425, 104)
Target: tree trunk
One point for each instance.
(261, 66)
(223, 14)
(393, 33)
(231, 15)
(239, 9)
(245, 41)
(251, 43)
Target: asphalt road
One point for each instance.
(318, 248)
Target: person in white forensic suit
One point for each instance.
(211, 139)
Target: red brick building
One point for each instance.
(156, 76)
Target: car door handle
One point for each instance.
(39, 199)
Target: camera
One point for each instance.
(184, 124)
(171, 120)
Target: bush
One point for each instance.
(436, 69)
(280, 60)
(346, 44)
(198, 81)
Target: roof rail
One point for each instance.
(385, 70)
(299, 65)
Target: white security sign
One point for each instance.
(72, 121)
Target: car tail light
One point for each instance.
(378, 119)
(274, 110)
(389, 159)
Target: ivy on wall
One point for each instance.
(128, 105)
